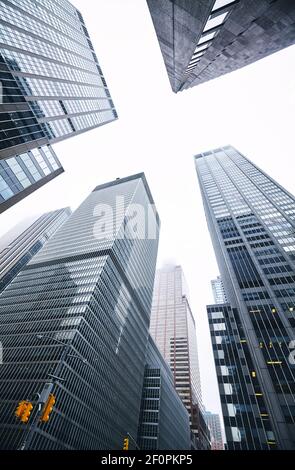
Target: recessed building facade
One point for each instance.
(22, 174)
(204, 39)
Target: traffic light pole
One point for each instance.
(133, 440)
(43, 397)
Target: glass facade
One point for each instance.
(246, 420)
(18, 252)
(88, 290)
(22, 174)
(164, 421)
(49, 68)
(251, 220)
(173, 329)
(51, 81)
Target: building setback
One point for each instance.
(218, 290)
(21, 249)
(201, 40)
(23, 174)
(80, 310)
(251, 219)
(213, 422)
(164, 421)
(173, 330)
(52, 88)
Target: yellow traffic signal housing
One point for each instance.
(21, 408)
(27, 412)
(126, 444)
(48, 407)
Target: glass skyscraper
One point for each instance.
(52, 87)
(19, 251)
(88, 292)
(202, 40)
(164, 421)
(173, 329)
(251, 219)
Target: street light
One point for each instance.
(66, 345)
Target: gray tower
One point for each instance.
(213, 421)
(201, 40)
(251, 220)
(52, 88)
(80, 310)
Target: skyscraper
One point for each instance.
(218, 290)
(19, 251)
(213, 422)
(173, 329)
(80, 310)
(164, 421)
(52, 88)
(251, 219)
(201, 40)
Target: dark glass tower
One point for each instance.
(201, 40)
(164, 421)
(251, 220)
(88, 292)
(19, 251)
(173, 329)
(52, 84)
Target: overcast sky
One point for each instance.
(158, 132)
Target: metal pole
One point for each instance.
(133, 440)
(48, 387)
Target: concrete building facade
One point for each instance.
(204, 39)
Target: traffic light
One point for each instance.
(126, 444)
(48, 407)
(24, 411)
(21, 408)
(27, 412)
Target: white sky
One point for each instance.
(158, 132)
